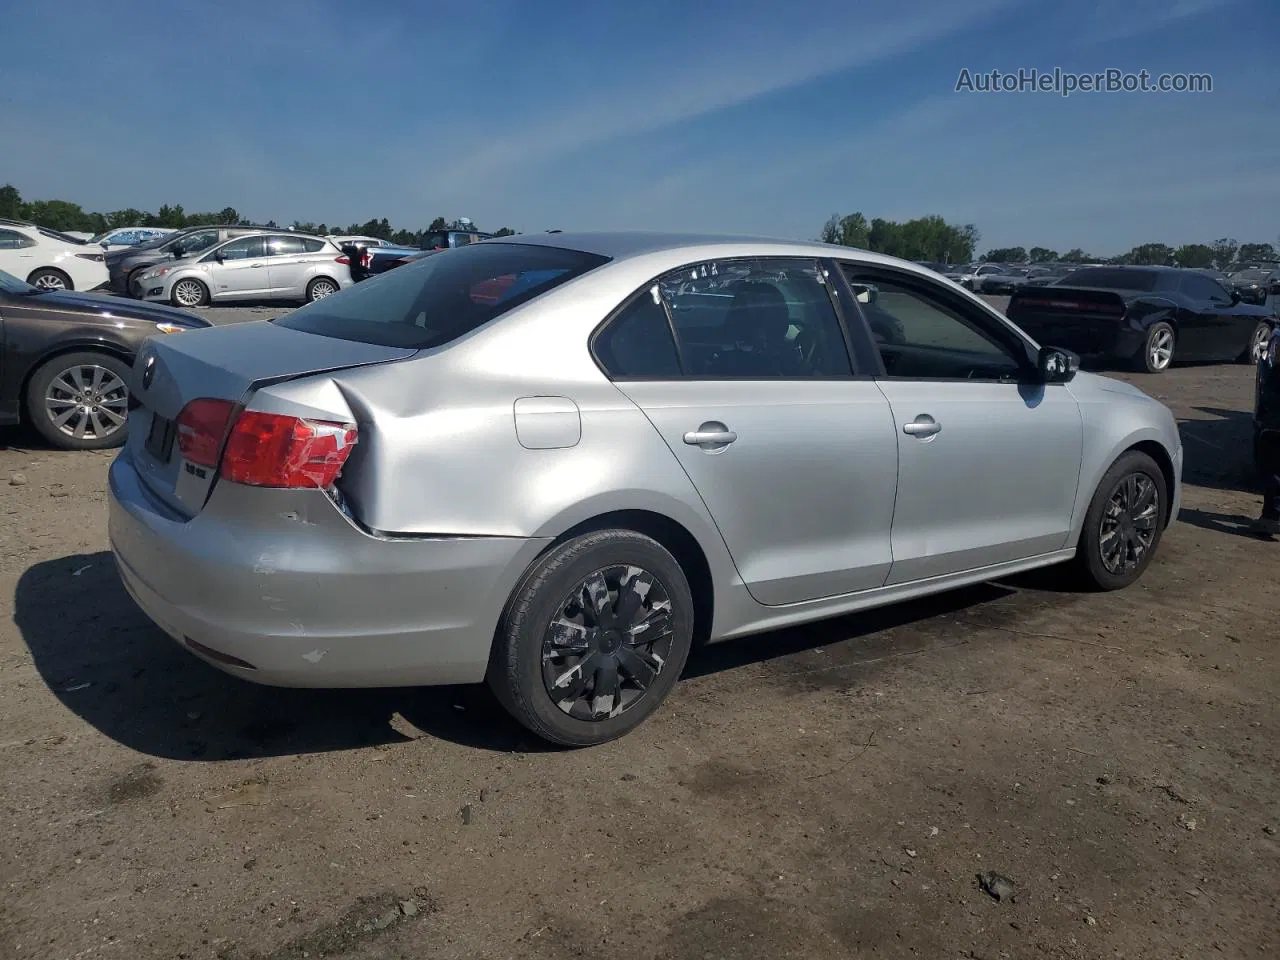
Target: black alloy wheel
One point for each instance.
(1125, 522)
(593, 638)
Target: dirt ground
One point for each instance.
(830, 791)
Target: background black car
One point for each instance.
(1143, 315)
(1255, 284)
(124, 264)
(65, 359)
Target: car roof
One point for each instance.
(618, 246)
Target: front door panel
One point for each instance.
(992, 479)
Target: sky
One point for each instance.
(699, 115)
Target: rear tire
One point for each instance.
(88, 393)
(578, 676)
(47, 278)
(321, 287)
(189, 292)
(1258, 341)
(1157, 349)
(1124, 524)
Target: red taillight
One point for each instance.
(264, 449)
(366, 259)
(345, 260)
(268, 450)
(201, 426)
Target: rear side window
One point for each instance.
(637, 343)
(13, 240)
(312, 246)
(1109, 279)
(437, 299)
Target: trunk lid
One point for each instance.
(1083, 319)
(224, 363)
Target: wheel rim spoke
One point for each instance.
(609, 642)
(1129, 523)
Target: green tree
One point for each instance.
(1005, 255)
(439, 223)
(504, 232)
(1256, 251)
(848, 231)
(1224, 252)
(11, 205)
(1148, 255)
(1076, 255)
(1194, 255)
(228, 215)
(57, 215)
(1042, 255)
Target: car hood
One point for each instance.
(108, 306)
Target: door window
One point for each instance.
(312, 245)
(12, 240)
(755, 319)
(921, 335)
(284, 246)
(246, 248)
(1204, 288)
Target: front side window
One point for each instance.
(755, 319)
(437, 299)
(1203, 288)
(246, 248)
(194, 242)
(13, 240)
(923, 335)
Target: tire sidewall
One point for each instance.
(1089, 546)
(38, 387)
(517, 678)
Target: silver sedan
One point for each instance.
(553, 462)
(262, 266)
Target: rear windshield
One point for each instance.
(1107, 279)
(437, 299)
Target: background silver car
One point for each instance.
(553, 461)
(263, 266)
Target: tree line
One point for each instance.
(1220, 254)
(63, 215)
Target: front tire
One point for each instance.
(189, 292)
(80, 401)
(1258, 341)
(594, 637)
(1125, 522)
(1157, 349)
(47, 278)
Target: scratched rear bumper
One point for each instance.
(279, 587)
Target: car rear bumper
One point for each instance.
(279, 587)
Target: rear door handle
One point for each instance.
(710, 435)
(922, 426)
(256, 266)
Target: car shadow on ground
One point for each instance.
(111, 667)
(1218, 451)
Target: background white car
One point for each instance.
(129, 236)
(262, 266)
(49, 260)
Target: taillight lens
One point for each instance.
(264, 449)
(201, 426)
(269, 450)
(345, 260)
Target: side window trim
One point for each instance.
(998, 328)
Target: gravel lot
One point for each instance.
(831, 791)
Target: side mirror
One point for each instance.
(177, 252)
(1056, 365)
(1235, 296)
(217, 255)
